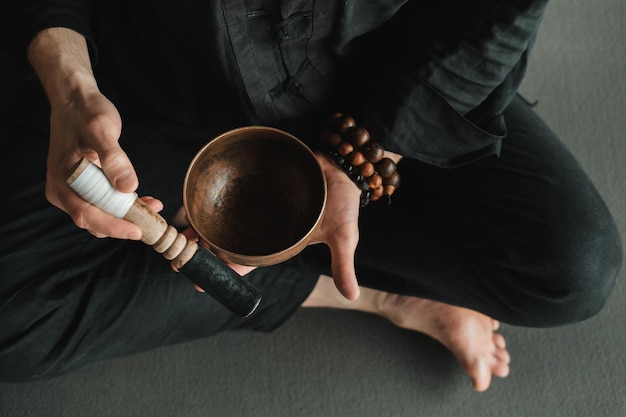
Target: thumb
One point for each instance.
(103, 132)
(119, 170)
(344, 274)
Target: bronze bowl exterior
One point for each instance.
(255, 195)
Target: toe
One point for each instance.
(501, 369)
(480, 375)
(503, 356)
(499, 340)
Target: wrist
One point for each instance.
(372, 169)
(335, 176)
(60, 59)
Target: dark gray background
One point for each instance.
(335, 363)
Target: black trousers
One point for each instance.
(524, 238)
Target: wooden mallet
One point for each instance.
(192, 260)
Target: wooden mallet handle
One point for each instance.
(198, 264)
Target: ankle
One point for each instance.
(375, 302)
(326, 295)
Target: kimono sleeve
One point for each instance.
(455, 67)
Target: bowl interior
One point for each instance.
(254, 192)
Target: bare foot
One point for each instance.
(469, 335)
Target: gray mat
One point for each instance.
(333, 363)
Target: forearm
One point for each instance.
(61, 60)
(22, 20)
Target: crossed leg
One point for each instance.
(469, 335)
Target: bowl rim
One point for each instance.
(256, 260)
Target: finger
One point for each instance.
(180, 218)
(102, 224)
(89, 217)
(155, 204)
(240, 269)
(190, 234)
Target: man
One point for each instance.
(494, 220)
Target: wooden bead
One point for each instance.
(388, 189)
(375, 181)
(373, 151)
(376, 193)
(392, 180)
(359, 136)
(357, 158)
(334, 140)
(335, 116)
(385, 167)
(345, 148)
(367, 170)
(345, 123)
(362, 159)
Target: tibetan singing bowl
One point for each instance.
(255, 195)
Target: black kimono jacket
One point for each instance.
(429, 79)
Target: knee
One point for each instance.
(580, 296)
(570, 282)
(589, 264)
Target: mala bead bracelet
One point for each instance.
(350, 147)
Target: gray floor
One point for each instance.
(328, 363)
